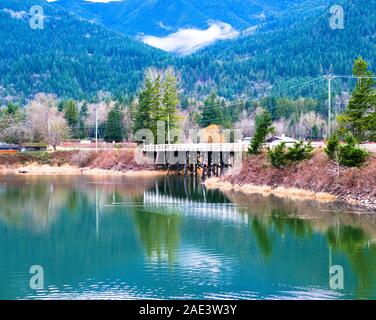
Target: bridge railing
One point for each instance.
(196, 147)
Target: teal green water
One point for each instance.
(169, 238)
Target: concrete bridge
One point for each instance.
(211, 159)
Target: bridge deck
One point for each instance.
(198, 147)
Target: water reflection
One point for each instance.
(361, 252)
(170, 238)
(32, 207)
(34, 203)
(346, 231)
(159, 234)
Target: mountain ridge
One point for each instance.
(69, 57)
(76, 58)
(162, 17)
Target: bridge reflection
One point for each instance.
(199, 204)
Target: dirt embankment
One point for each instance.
(318, 178)
(74, 162)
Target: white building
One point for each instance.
(276, 140)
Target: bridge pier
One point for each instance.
(186, 161)
(209, 164)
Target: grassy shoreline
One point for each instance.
(318, 178)
(282, 192)
(110, 162)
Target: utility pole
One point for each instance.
(329, 78)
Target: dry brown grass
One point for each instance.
(116, 160)
(319, 174)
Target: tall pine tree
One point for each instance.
(170, 101)
(114, 130)
(71, 115)
(142, 114)
(157, 102)
(264, 126)
(358, 118)
(83, 116)
(211, 111)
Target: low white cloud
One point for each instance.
(186, 41)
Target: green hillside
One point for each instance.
(75, 58)
(299, 45)
(70, 57)
(161, 17)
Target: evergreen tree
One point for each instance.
(184, 103)
(60, 106)
(157, 110)
(170, 101)
(71, 115)
(315, 135)
(371, 120)
(263, 128)
(12, 109)
(114, 130)
(157, 102)
(211, 111)
(83, 116)
(357, 118)
(142, 114)
(348, 154)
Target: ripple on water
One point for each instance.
(307, 293)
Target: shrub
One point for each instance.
(277, 156)
(299, 152)
(40, 157)
(352, 156)
(332, 147)
(348, 154)
(83, 158)
(281, 156)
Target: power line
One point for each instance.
(329, 78)
(352, 76)
(301, 85)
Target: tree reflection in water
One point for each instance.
(159, 234)
(355, 243)
(33, 208)
(99, 224)
(344, 231)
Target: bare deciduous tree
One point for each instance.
(58, 130)
(282, 126)
(246, 124)
(45, 122)
(303, 128)
(100, 109)
(16, 132)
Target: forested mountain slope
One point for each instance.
(161, 17)
(75, 58)
(70, 57)
(300, 44)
